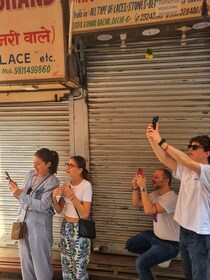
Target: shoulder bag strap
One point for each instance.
(40, 184)
(77, 211)
(79, 214)
(33, 192)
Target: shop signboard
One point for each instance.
(31, 41)
(95, 15)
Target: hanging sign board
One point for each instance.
(95, 15)
(31, 40)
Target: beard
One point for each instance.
(156, 186)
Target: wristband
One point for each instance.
(162, 141)
(166, 148)
(144, 189)
(73, 197)
(135, 189)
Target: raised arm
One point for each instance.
(182, 158)
(150, 208)
(154, 138)
(136, 201)
(177, 156)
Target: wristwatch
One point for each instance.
(143, 189)
(162, 141)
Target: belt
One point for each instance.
(71, 220)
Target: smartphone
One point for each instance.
(154, 121)
(7, 176)
(140, 171)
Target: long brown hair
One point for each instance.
(49, 156)
(81, 162)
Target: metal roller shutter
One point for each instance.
(25, 128)
(125, 91)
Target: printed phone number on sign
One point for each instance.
(27, 70)
(32, 69)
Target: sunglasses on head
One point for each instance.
(194, 147)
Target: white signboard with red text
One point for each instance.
(31, 40)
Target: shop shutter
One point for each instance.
(25, 128)
(125, 90)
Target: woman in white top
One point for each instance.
(75, 250)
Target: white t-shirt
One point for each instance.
(83, 192)
(166, 227)
(193, 205)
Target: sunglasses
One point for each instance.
(194, 147)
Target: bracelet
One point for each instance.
(162, 141)
(144, 189)
(73, 197)
(166, 148)
(155, 208)
(135, 189)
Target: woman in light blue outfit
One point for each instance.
(36, 210)
(75, 250)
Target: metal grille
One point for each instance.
(125, 91)
(25, 128)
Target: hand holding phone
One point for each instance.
(140, 171)
(7, 176)
(154, 121)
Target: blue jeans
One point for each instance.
(195, 252)
(152, 251)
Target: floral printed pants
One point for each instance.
(75, 252)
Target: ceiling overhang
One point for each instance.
(140, 33)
